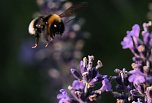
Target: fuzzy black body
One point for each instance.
(39, 25)
(49, 25)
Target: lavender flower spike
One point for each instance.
(138, 86)
(83, 89)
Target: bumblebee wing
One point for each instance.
(73, 9)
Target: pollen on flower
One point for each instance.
(120, 101)
(70, 87)
(92, 97)
(99, 64)
(85, 74)
(134, 65)
(146, 69)
(141, 48)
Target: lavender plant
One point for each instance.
(140, 77)
(132, 86)
(83, 87)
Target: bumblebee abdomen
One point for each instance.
(55, 25)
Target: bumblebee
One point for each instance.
(51, 25)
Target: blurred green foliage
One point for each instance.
(106, 20)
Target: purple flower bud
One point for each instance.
(136, 76)
(106, 85)
(63, 97)
(149, 79)
(135, 31)
(98, 78)
(127, 42)
(132, 37)
(76, 74)
(146, 37)
(82, 66)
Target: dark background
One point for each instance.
(106, 20)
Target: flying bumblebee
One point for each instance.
(51, 25)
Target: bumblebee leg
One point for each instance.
(48, 38)
(36, 41)
(46, 45)
(34, 46)
(47, 41)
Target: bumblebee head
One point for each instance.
(36, 25)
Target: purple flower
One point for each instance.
(132, 37)
(63, 97)
(106, 85)
(127, 42)
(146, 37)
(83, 65)
(76, 74)
(146, 34)
(136, 76)
(78, 85)
(95, 80)
(135, 31)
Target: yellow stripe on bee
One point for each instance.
(51, 20)
(54, 17)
